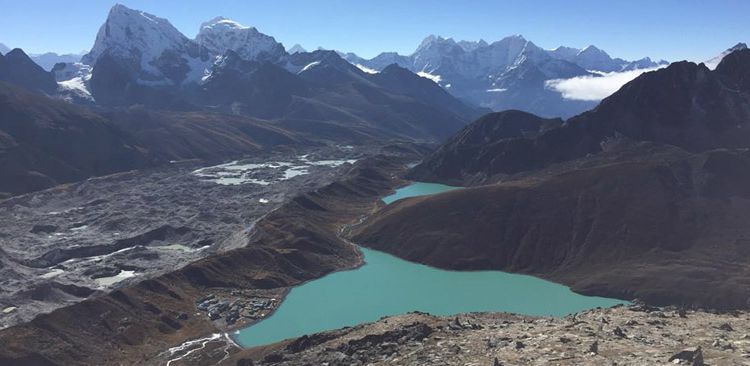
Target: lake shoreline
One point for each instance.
(375, 258)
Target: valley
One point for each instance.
(97, 235)
(138, 321)
(188, 192)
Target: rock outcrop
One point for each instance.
(654, 337)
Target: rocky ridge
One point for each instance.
(633, 335)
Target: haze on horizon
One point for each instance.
(672, 30)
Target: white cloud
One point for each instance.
(594, 87)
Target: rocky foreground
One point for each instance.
(623, 335)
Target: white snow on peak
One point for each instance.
(221, 22)
(296, 49)
(714, 62)
(309, 66)
(427, 75)
(73, 80)
(72, 70)
(366, 69)
(221, 34)
(132, 33)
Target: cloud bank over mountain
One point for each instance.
(594, 87)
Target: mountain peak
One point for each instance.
(128, 33)
(734, 68)
(18, 53)
(592, 50)
(470, 46)
(714, 62)
(222, 22)
(220, 34)
(16, 67)
(297, 48)
(433, 39)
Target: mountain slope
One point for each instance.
(45, 142)
(474, 149)
(714, 62)
(17, 68)
(685, 104)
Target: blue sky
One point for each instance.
(669, 29)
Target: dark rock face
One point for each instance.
(692, 356)
(45, 142)
(114, 82)
(259, 89)
(472, 151)
(403, 81)
(17, 68)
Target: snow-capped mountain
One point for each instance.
(471, 46)
(134, 49)
(221, 34)
(72, 81)
(712, 63)
(150, 45)
(49, 59)
(509, 73)
(595, 59)
(296, 49)
(4, 49)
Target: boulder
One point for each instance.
(692, 356)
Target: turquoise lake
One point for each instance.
(387, 285)
(417, 189)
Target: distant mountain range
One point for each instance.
(47, 60)
(512, 73)
(507, 74)
(228, 92)
(243, 80)
(141, 59)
